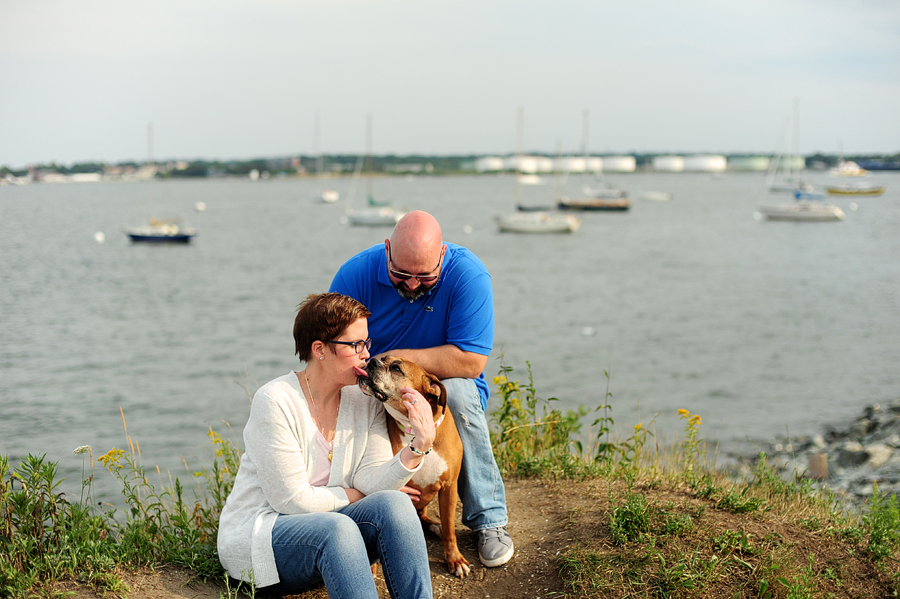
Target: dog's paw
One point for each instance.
(460, 568)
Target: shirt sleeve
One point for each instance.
(470, 325)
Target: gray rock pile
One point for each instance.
(845, 461)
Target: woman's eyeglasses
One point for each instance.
(356, 345)
(405, 276)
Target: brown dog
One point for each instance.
(440, 468)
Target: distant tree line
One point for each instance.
(346, 163)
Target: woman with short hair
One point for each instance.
(319, 495)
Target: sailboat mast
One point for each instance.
(369, 156)
(520, 126)
(150, 143)
(320, 163)
(796, 148)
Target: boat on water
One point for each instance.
(789, 165)
(374, 216)
(810, 206)
(374, 213)
(804, 210)
(655, 196)
(848, 168)
(604, 192)
(614, 204)
(326, 196)
(857, 189)
(537, 222)
(533, 219)
(161, 231)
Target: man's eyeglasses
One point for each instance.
(405, 276)
(356, 345)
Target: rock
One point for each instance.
(879, 453)
(852, 453)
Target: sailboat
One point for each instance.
(374, 214)
(532, 221)
(602, 197)
(159, 230)
(809, 205)
(324, 196)
(790, 183)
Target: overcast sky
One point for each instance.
(81, 80)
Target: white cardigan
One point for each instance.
(280, 456)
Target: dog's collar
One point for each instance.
(403, 420)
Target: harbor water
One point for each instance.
(764, 329)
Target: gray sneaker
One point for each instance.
(495, 546)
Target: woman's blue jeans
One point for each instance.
(340, 547)
(480, 485)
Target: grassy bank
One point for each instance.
(647, 522)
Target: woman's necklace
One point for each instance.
(316, 412)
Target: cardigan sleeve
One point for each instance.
(378, 468)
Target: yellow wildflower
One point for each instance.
(111, 459)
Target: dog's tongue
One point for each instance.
(360, 372)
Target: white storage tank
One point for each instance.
(748, 163)
(570, 164)
(668, 164)
(619, 164)
(793, 163)
(543, 164)
(594, 164)
(705, 164)
(488, 164)
(523, 164)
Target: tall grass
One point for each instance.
(640, 545)
(46, 537)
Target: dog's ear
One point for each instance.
(437, 389)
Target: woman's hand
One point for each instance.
(421, 419)
(353, 494)
(414, 494)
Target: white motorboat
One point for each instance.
(537, 222)
(604, 192)
(655, 196)
(374, 216)
(802, 210)
(327, 196)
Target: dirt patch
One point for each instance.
(536, 511)
(549, 518)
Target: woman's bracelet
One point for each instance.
(416, 451)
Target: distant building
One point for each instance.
(748, 163)
(668, 164)
(489, 164)
(619, 164)
(705, 164)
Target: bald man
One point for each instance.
(432, 303)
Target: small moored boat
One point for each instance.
(857, 189)
(161, 231)
(537, 222)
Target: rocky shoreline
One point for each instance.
(847, 461)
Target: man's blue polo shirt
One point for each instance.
(458, 310)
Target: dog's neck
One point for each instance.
(402, 420)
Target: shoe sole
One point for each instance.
(498, 561)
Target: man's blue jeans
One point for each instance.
(340, 547)
(480, 486)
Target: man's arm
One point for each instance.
(445, 361)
